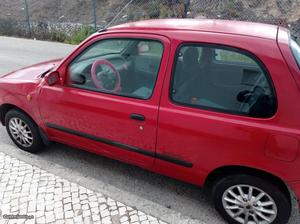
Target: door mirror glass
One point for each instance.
(52, 78)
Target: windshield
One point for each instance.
(296, 51)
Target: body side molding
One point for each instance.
(122, 146)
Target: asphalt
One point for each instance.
(163, 197)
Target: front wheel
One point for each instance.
(23, 131)
(250, 200)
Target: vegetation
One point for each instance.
(79, 35)
(43, 32)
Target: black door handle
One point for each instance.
(138, 117)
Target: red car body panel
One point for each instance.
(216, 26)
(32, 72)
(181, 142)
(24, 82)
(222, 133)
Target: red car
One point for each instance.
(210, 102)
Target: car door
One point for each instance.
(109, 99)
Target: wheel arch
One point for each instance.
(235, 170)
(7, 107)
(4, 108)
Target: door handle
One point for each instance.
(138, 117)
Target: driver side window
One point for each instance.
(126, 67)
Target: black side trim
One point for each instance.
(174, 160)
(122, 146)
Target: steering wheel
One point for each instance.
(98, 77)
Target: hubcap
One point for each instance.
(21, 132)
(249, 205)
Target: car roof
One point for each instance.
(205, 25)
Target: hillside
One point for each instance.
(80, 11)
(74, 12)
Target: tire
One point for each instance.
(30, 139)
(273, 194)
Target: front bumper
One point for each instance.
(295, 187)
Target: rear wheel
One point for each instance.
(250, 200)
(23, 131)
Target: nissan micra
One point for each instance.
(209, 102)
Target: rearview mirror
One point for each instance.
(52, 78)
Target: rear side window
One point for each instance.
(222, 79)
(296, 51)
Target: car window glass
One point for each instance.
(296, 51)
(227, 56)
(118, 66)
(238, 85)
(149, 48)
(102, 48)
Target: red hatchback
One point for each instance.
(209, 102)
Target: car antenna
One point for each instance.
(102, 30)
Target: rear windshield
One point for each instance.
(296, 51)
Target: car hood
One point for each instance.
(32, 72)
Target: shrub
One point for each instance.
(79, 35)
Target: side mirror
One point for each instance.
(78, 79)
(52, 78)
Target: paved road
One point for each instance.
(16, 53)
(46, 198)
(163, 197)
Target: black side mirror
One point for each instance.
(78, 79)
(52, 78)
